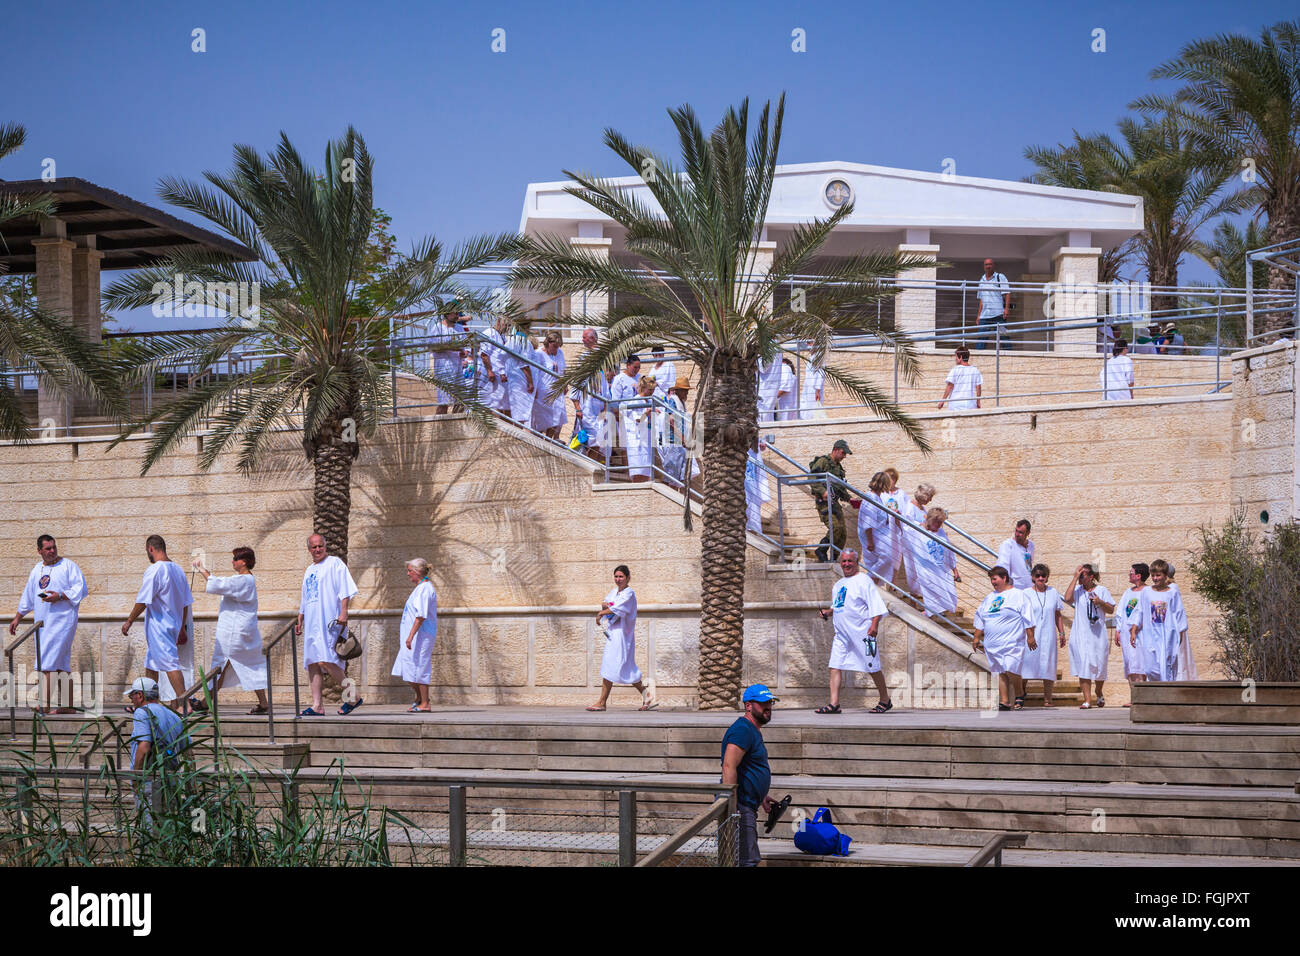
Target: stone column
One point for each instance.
(1074, 296)
(914, 309)
(590, 303)
(85, 292)
(53, 294)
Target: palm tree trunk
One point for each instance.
(1283, 224)
(332, 490)
(730, 429)
(1163, 272)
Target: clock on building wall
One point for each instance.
(837, 193)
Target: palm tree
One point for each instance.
(1182, 189)
(327, 324)
(33, 337)
(1073, 166)
(1241, 101)
(713, 210)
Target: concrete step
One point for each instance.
(784, 853)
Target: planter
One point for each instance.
(1216, 702)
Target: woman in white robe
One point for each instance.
(914, 542)
(1045, 604)
(935, 566)
(237, 644)
(638, 427)
(521, 376)
(813, 396)
(549, 415)
(446, 362)
(416, 635)
(1089, 640)
(618, 661)
(875, 530)
(787, 395)
(897, 502)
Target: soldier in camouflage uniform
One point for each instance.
(832, 517)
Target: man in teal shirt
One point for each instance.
(744, 763)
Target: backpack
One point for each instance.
(820, 837)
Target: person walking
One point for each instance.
(327, 588)
(1117, 375)
(1128, 614)
(165, 601)
(964, 384)
(1045, 604)
(618, 662)
(831, 508)
(1089, 640)
(857, 609)
(1004, 630)
(237, 644)
(416, 635)
(1016, 554)
(744, 765)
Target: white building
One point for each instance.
(1036, 234)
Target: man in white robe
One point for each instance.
(521, 375)
(787, 393)
(55, 589)
(757, 491)
(665, 373)
(857, 608)
(164, 600)
(623, 391)
(1016, 554)
(327, 587)
(769, 383)
(813, 396)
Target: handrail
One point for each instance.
(12, 646)
(270, 683)
(992, 850)
(720, 809)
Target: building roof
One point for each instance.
(129, 233)
(887, 199)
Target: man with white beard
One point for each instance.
(55, 589)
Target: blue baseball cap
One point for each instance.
(758, 693)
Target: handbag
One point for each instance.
(346, 644)
(819, 836)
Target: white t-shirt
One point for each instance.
(964, 380)
(1018, 561)
(1117, 378)
(855, 601)
(991, 291)
(665, 374)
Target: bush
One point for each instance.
(1254, 581)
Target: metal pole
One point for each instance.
(297, 702)
(456, 838)
(1218, 342)
(270, 704)
(393, 358)
(13, 696)
(627, 828)
(895, 376)
(997, 364)
(289, 794)
(1250, 301)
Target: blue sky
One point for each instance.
(114, 94)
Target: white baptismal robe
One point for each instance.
(238, 638)
(324, 586)
(1127, 614)
(855, 603)
(618, 662)
(1089, 641)
(1003, 617)
(166, 596)
(60, 617)
(1041, 663)
(415, 664)
(757, 492)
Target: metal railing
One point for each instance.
(12, 646)
(991, 853)
(267, 650)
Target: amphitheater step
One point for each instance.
(784, 853)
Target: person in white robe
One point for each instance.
(769, 383)
(1089, 640)
(896, 501)
(1186, 662)
(934, 564)
(618, 661)
(914, 510)
(1004, 630)
(549, 414)
(758, 491)
(416, 635)
(857, 610)
(54, 591)
(1128, 613)
(639, 429)
(1161, 629)
(672, 428)
(664, 373)
(812, 397)
(237, 660)
(327, 589)
(876, 530)
(165, 601)
(1045, 605)
(1117, 375)
(787, 393)
(521, 375)
(624, 389)
(1016, 554)
(492, 353)
(446, 362)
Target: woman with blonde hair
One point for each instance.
(897, 502)
(640, 420)
(549, 414)
(874, 529)
(934, 565)
(419, 628)
(915, 510)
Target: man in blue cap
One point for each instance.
(744, 763)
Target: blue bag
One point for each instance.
(819, 836)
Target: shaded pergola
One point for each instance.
(92, 229)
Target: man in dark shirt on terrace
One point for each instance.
(744, 763)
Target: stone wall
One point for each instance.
(1263, 432)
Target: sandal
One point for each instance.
(650, 705)
(828, 709)
(257, 711)
(308, 712)
(1101, 701)
(417, 709)
(1002, 706)
(198, 706)
(595, 710)
(882, 708)
(1018, 705)
(1085, 705)
(349, 708)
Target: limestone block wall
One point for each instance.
(1111, 483)
(1263, 435)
